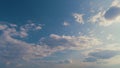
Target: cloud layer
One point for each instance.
(13, 49)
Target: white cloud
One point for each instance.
(79, 18)
(14, 50)
(2, 27)
(115, 3)
(107, 17)
(30, 27)
(13, 25)
(71, 42)
(54, 36)
(23, 34)
(66, 24)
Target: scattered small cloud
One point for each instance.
(79, 18)
(31, 27)
(66, 24)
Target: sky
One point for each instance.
(59, 33)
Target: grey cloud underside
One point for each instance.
(112, 13)
(90, 59)
(106, 54)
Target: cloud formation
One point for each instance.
(104, 54)
(79, 42)
(112, 13)
(13, 49)
(79, 18)
(107, 17)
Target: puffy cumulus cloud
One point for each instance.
(21, 31)
(107, 17)
(31, 27)
(13, 49)
(104, 54)
(79, 18)
(71, 42)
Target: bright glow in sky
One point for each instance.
(59, 34)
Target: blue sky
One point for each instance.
(59, 34)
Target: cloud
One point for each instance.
(104, 54)
(115, 3)
(112, 13)
(66, 24)
(79, 18)
(2, 27)
(23, 32)
(109, 37)
(73, 42)
(14, 50)
(65, 61)
(31, 27)
(90, 59)
(68, 61)
(107, 17)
